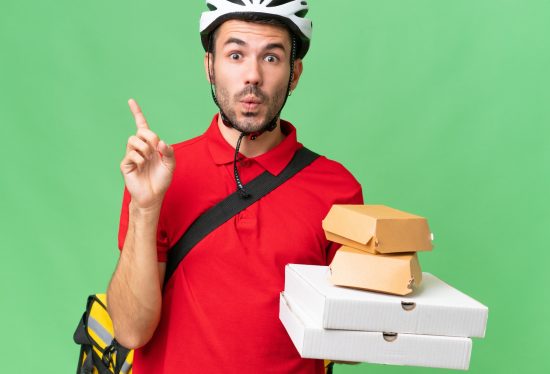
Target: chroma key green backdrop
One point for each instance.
(438, 107)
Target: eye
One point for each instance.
(271, 58)
(235, 56)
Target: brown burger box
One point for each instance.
(377, 229)
(395, 274)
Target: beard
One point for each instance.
(251, 120)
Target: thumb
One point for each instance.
(167, 153)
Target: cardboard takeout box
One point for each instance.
(312, 341)
(434, 308)
(377, 229)
(396, 273)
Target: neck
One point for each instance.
(252, 148)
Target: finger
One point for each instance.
(142, 147)
(137, 159)
(167, 153)
(141, 123)
(132, 161)
(148, 136)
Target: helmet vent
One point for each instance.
(211, 7)
(302, 13)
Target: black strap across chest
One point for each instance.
(232, 205)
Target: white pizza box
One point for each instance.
(312, 341)
(434, 308)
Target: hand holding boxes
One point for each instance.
(430, 324)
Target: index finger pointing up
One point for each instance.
(141, 123)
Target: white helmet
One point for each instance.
(289, 12)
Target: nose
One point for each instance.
(253, 72)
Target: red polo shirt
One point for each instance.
(220, 308)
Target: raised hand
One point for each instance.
(148, 165)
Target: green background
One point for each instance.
(438, 107)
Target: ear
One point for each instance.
(209, 59)
(298, 69)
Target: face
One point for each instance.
(250, 72)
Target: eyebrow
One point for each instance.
(268, 47)
(235, 41)
(271, 46)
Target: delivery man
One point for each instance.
(218, 313)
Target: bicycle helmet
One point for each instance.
(290, 12)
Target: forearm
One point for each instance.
(135, 292)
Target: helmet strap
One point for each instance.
(270, 126)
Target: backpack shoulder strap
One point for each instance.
(232, 205)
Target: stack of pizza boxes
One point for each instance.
(373, 303)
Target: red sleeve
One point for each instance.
(356, 198)
(162, 238)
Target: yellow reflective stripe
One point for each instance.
(100, 329)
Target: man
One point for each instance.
(219, 311)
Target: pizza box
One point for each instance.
(312, 341)
(434, 308)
